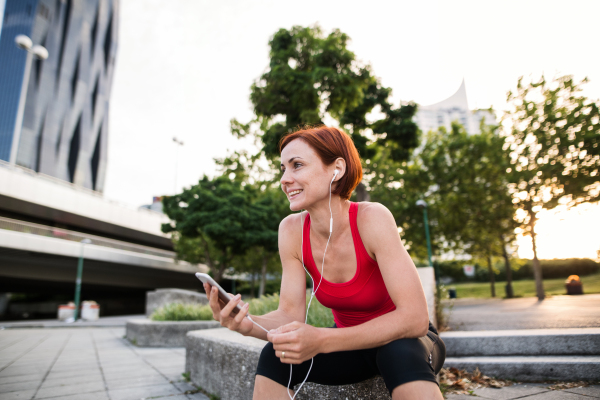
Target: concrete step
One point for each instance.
(531, 368)
(523, 342)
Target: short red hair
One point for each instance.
(331, 144)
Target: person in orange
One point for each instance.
(360, 270)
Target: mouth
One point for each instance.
(294, 193)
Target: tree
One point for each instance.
(553, 133)
(311, 78)
(219, 215)
(462, 178)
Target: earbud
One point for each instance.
(335, 173)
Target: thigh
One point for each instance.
(408, 360)
(338, 368)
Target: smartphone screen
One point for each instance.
(224, 297)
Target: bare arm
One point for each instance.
(292, 298)
(410, 319)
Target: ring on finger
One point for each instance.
(283, 354)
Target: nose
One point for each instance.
(286, 179)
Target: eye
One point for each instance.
(297, 165)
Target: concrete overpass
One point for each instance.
(42, 223)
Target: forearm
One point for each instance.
(272, 320)
(375, 333)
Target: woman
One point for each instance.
(360, 270)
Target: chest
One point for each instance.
(340, 260)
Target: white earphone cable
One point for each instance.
(314, 291)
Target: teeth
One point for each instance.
(294, 192)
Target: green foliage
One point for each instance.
(462, 178)
(311, 76)
(318, 315)
(220, 219)
(553, 134)
(521, 269)
(554, 142)
(182, 312)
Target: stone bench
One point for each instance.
(147, 333)
(223, 363)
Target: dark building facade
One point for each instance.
(65, 122)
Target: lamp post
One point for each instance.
(78, 280)
(25, 43)
(178, 144)
(423, 205)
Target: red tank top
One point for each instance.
(362, 298)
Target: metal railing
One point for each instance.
(64, 234)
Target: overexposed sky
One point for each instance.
(184, 67)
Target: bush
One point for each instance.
(182, 312)
(319, 315)
(521, 269)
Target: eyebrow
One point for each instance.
(291, 159)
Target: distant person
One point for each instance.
(360, 270)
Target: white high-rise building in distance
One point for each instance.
(454, 108)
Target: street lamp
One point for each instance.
(423, 205)
(78, 280)
(178, 144)
(37, 51)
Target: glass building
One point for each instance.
(65, 120)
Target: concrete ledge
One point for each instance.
(147, 333)
(525, 342)
(223, 362)
(531, 369)
(162, 297)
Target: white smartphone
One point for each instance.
(223, 295)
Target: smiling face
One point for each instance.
(305, 179)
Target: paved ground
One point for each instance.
(104, 322)
(88, 364)
(526, 313)
(531, 392)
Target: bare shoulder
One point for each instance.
(374, 214)
(377, 227)
(292, 223)
(290, 233)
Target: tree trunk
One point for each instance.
(537, 268)
(508, 288)
(492, 277)
(361, 193)
(252, 280)
(263, 275)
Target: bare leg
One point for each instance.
(267, 389)
(417, 390)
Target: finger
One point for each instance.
(206, 290)
(241, 315)
(283, 338)
(214, 303)
(227, 310)
(292, 326)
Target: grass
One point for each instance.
(524, 288)
(318, 315)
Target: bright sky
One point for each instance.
(184, 68)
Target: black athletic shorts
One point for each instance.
(398, 362)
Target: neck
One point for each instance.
(320, 215)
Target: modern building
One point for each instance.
(65, 120)
(454, 108)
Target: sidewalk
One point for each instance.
(104, 322)
(525, 313)
(531, 391)
(98, 364)
(88, 364)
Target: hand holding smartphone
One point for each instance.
(223, 295)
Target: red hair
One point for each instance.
(331, 144)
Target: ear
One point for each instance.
(340, 165)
